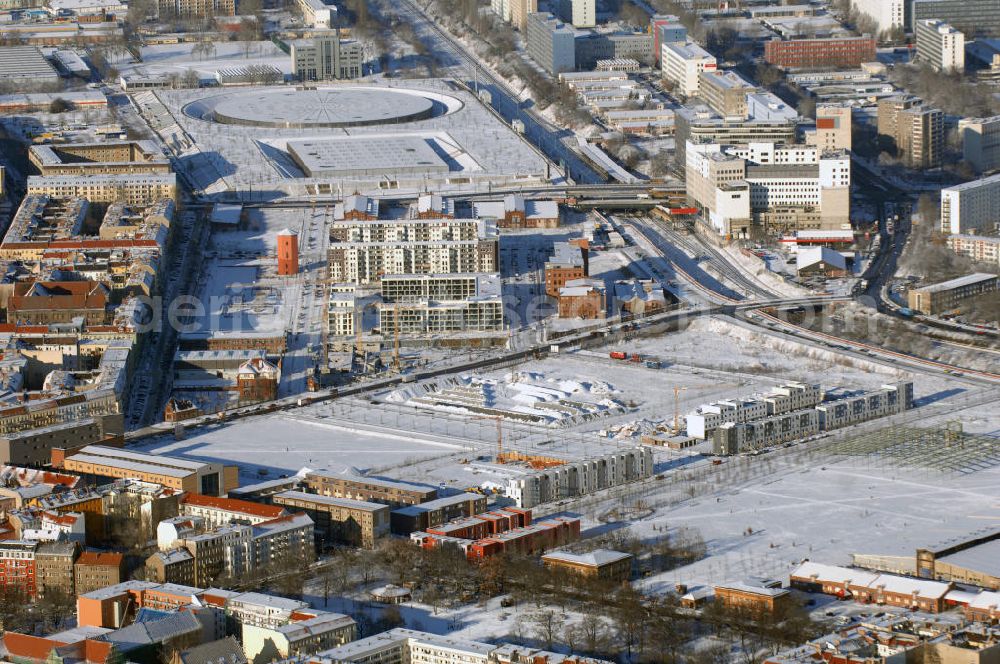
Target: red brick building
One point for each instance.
(752, 599)
(835, 52)
(17, 566)
(484, 525)
(288, 253)
(257, 380)
(583, 298)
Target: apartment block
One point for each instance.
(833, 52)
(394, 493)
(362, 251)
(947, 295)
(735, 437)
(971, 207)
(912, 130)
(940, 46)
(111, 158)
(132, 188)
(594, 47)
(18, 566)
(782, 399)
(430, 514)
(462, 303)
(94, 570)
(582, 477)
(887, 400)
(550, 43)
(578, 13)
(981, 142)
(983, 249)
(54, 567)
(339, 520)
(682, 65)
(196, 8)
(887, 14)
(519, 12)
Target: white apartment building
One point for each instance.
(981, 142)
(971, 207)
(984, 249)
(736, 437)
(579, 478)
(302, 636)
(362, 251)
(782, 399)
(887, 14)
(682, 65)
(579, 13)
(940, 45)
(887, 400)
(341, 312)
(501, 8)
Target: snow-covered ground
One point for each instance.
(165, 59)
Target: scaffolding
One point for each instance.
(946, 449)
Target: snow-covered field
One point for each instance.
(164, 59)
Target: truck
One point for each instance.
(617, 355)
(635, 358)
(652, 364)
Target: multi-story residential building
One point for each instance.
(480, 311)
(833, 127)
(94, 570)
(218, 512)
(304, 635)
(725, 92)
(911, 129)
(54, 567)
(975, 18)
(981, 142)
(362, 252)
(211, 479)
(394, 493)
(580, 477)
(887, 14)
(18, 566)
(682, 65)
(55, 302)
(735, 437)
(527, 541)
(406, 520)
(196, 8)
(887, 400)
(173, 566)
(579, 13)
(939, 45)
(111, 158)
(550, 43)
(326, 57)
(980, 248)
(782, 399)
(947, 295)
(971, 207)
(340, 520)
(568, 262)
(132, 188)
(519, 12)
(838, 52)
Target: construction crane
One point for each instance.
(359, 351)
(677, 409)
(395, 338)
(499, 421)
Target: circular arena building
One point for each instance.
(292, 108)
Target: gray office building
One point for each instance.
(551, 43)
(975, 18)
(594, 46)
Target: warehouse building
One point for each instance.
(971, 560)
(948, 295)
(212, 479)
(25, 65)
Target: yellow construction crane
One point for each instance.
(677, 409)
(395, 338)
(499, 420)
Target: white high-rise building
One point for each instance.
(971, 206)
(682, 65)
(887, 14)
(579, 13)
(940, 45)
